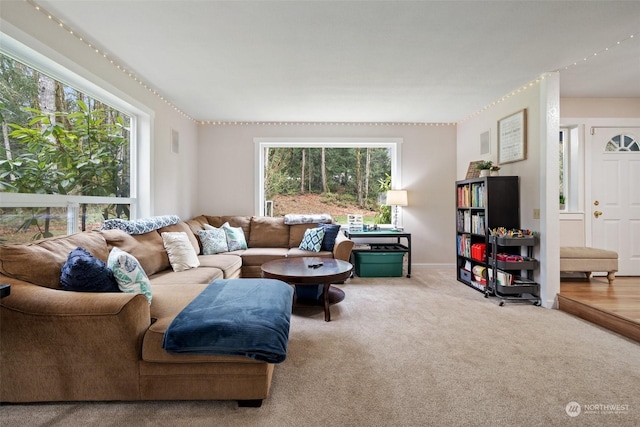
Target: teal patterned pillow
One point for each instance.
(214, 241)
(312, 239)
(128, 273)
(235, 237)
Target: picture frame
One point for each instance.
(472, 171)
(512, 137)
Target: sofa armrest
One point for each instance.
(342, 248)
(59, 345)
(30, 299)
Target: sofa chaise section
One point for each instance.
(61, 345)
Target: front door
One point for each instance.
(614, 205)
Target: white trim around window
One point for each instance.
(395, 144)
(49, 62)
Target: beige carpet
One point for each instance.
(425, 351)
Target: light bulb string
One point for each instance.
(157, 93)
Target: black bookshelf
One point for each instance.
(482, 204)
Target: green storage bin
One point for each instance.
(379, 264)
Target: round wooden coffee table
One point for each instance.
(301, 272)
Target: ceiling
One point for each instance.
(360, 61)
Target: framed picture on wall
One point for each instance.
(512, 137)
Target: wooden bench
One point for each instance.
(587, 260)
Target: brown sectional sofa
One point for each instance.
(57, 345)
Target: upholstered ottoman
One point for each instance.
(588, 260)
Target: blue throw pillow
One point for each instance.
(330, 233)
(85, 273)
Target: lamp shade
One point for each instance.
(397, 198)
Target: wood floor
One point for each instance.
(615, 307)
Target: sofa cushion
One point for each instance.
(229, 264)
(196, 224)
(312, 239)
(128, 273)
(182, 254)
(268, 232)
(187, 277)
(258, 256)
(85, 273)
(147, 248)
(234, 221)
(296, 232)
(182, 227)
(46, 257)
(213, 240)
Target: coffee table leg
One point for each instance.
(325, 295)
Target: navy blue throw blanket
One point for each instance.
(237, 317)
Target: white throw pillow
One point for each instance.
(182, 256)
(129, 274)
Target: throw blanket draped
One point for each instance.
(237, 317)
(140, 226)
(292, 219)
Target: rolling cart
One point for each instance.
(505, 279)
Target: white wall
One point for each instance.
(428, 156)
(171, 177)
(536, 172)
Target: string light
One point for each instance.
(542, 77)
(397, 124)
(105, 55)
(153, 91)
(523, 88)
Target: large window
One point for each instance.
(338, 177)
(67, 157)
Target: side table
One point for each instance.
(377, 234)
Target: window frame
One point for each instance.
(394, 144)
(140, 135)
(571, 167)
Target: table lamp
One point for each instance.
(396, 198)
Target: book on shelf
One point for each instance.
(502, 277)
(477, 195)
(463, 196)
(478, 223)
(471, 195)
(464, 245)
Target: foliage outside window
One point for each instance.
(562, 162)
(328, 179)
(59, 141)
